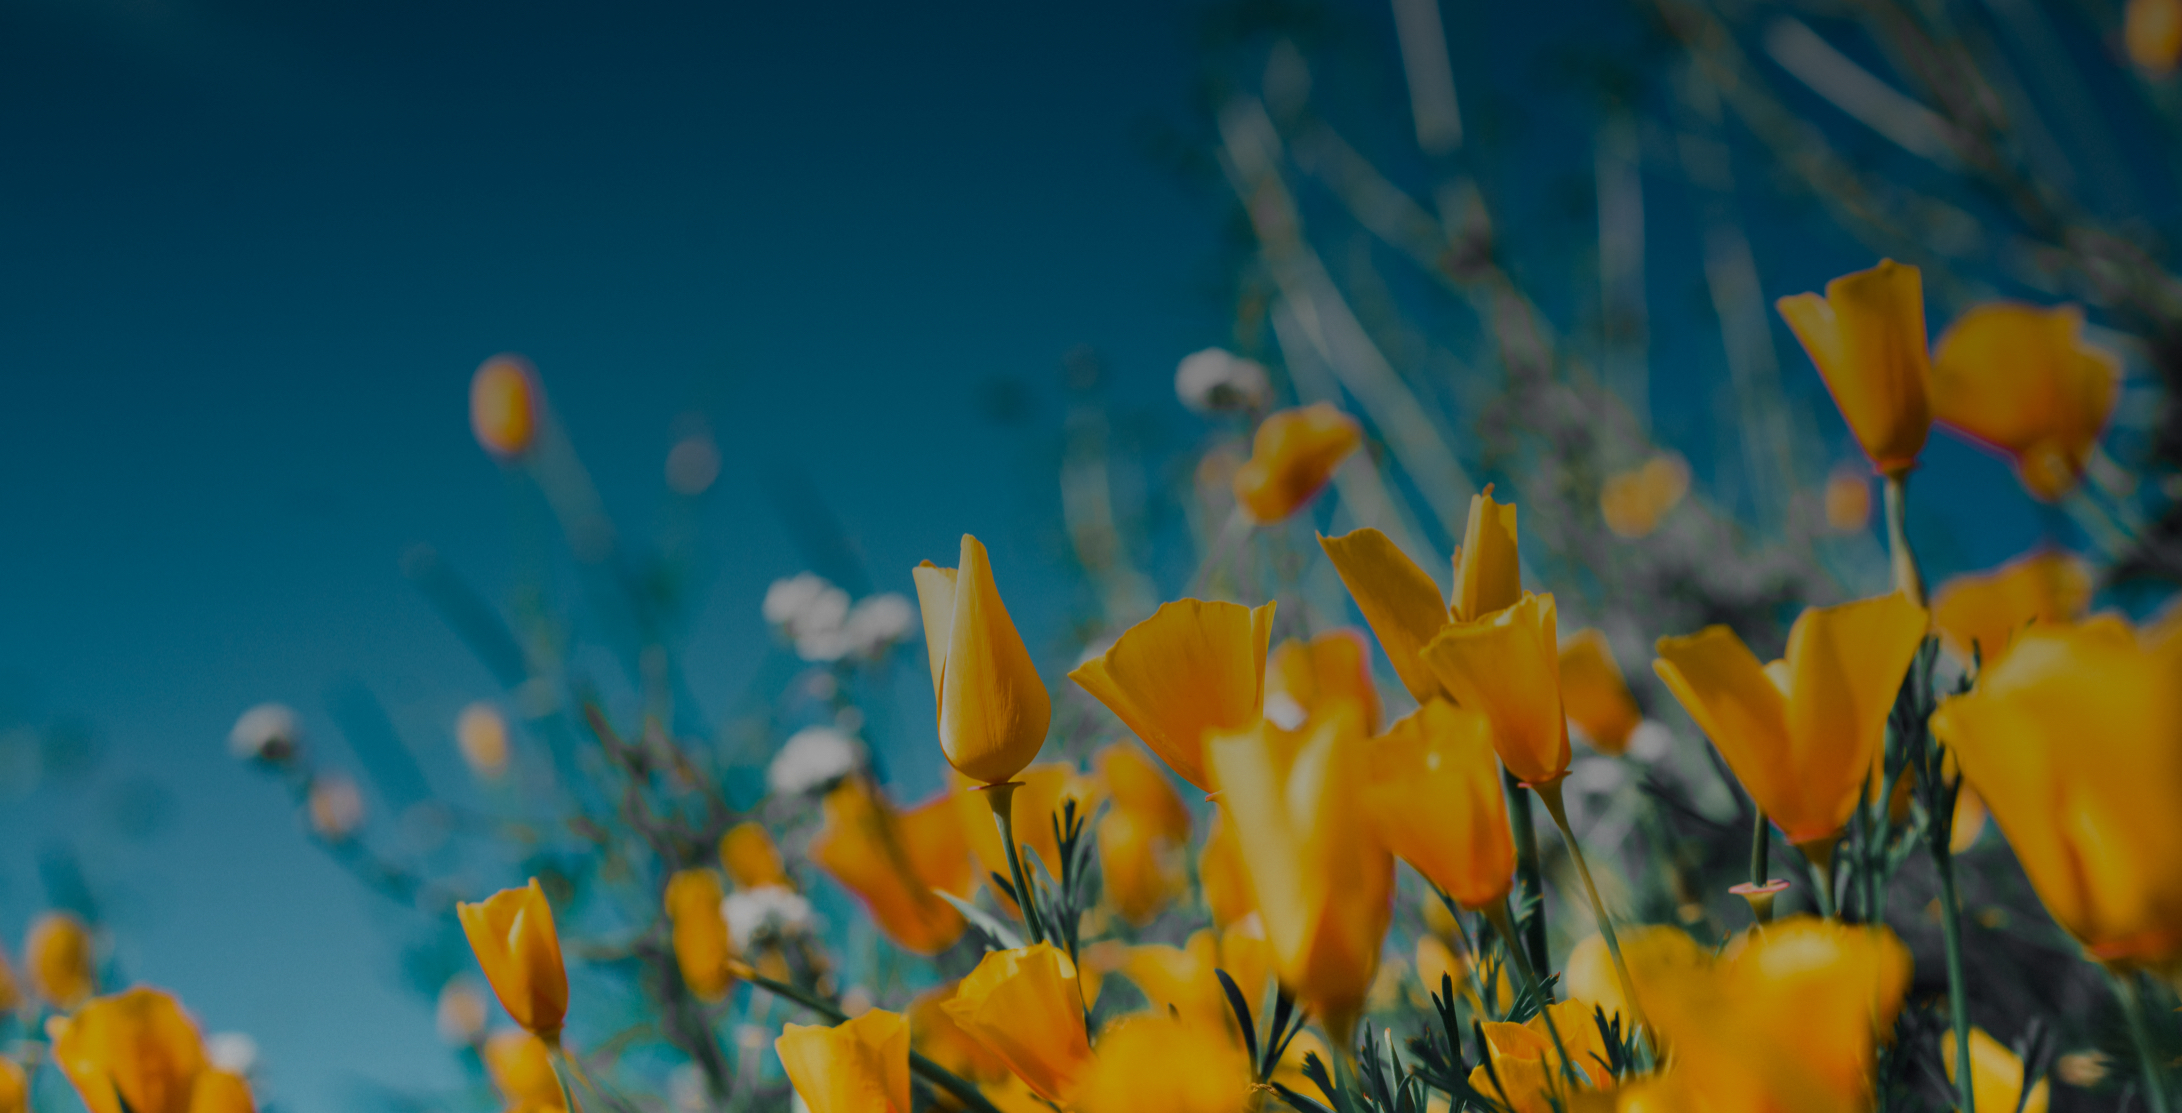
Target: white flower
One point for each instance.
(267, 732)
(813, 756)
(692, 464)
(812, 612)
(766, 911)
(877, 622)
(1650, 741)
(1217, 379)
(336, 806)
(233, 1052)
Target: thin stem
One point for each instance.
(1908, 578)
(1958, 992)
(1497, 916)
(1820, 854)
(568, 1099)
(1761, 847)
(1528, 883)
(2140, 1035)
(1002, 798)
(969, 1095)
(1550, 793)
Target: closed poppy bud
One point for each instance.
(482, 736)
(1155, 1063)
(14, 1088)
(1139, 786)
(1025, 1007)
(1143, 869)
(702, 947)
(1507, 665)
(1980, 613)
(1634, 502)
(219, 1091)
(1324, 885)
(512, 934)
(1488, 568)
(1804, 733)
(1220, 876)
(135, 1049)
(59, 957)
(857, 1066)
(504, 405)
(1996, 1074)
(993, 709)
(1193, 667)
(1867, 337)
(2074, 741)
(1293, 455)
(748, 855)
(2022, 380)
(2152, 31)
(862, 845)
(521, 1068)
(1595, 694)
(1432, 794)
(1304, 677)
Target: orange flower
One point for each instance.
(1153, 1063)
(857, 1066)
(14, 1088)
(936, 1036)
(219, 1091)
(1848, 499)
(1193, 667)
(1595, 694)
(521, 1067)
(1221, 876)
(703, 948)
(1656, 954)
(1187, 977)
(482, 736)
(1996, 1074)
(864, 847)
(2022, 380)
(1294, 454)
(1307, 676)
(1985, 611)
(1139, 786)
(1025, 1007)
(11, 994)
(937, 845)
(1867, 337)
(512, 934)
(504, 405)
(1037, 806)
(748, 855)
(1398, 600)
(2152, 31)
(59, 958)
(1143, 869)
(1507, 665)
(1528, 1065)
(993, 709)
(1432, 795)
(1635, 501)
(136, 1047)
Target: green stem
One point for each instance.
(1958, 990)
(969, 1095)
(2140, 1034)
(1555, 807)
(1908, 578)
(1497, 916)
(1529, 886)
(1002, 799)
(1761, 847)
(1820, 854)
(568, 1099)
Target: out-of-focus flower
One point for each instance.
(335, 806)
(936, 1036)
(11, 993)
(268, 732)
(1803, 733)
(59, 957)
(2082, 1069)
(2152, 31)
(939, 847)
(763, 914)
(459, 1014)
(1996, 1074)
(1187, 977)
(1216, 379)
(1848, 499)
(1221, 877)
(1293, 455)
(521, 1067)
(482, 736)
(14, 1088)
(748, 855)
(1305, 676)
(504, 405)
(1143, 869)
(1656, 954)
(1324, 886)
(702, 948)
(877, 622)
(1154, 1063)
(1139, 786)
(993, 709)
(1025, 1007)
(1526, 1064)
(1191, 668)
(221, 1091)
(2022, 380)
(516, 945)
(1432, 795)
(813, 757)
(1037, 804)
(1867, 337)
(233, 1052)
(2074, 741)
(862, 846)
(1507, 666)
(811, 612)
(692, 464)
(136, 1050)
(857, 1066)
(1634, 502)
(1595, 694)
(1979, 614)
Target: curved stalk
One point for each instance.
(1958, 994)
(1551, 795)
(1820, 854)
(1002, 798)
(1497, 916)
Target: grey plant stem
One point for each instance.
(969, 1095)
(1550, 794)
(1002, 798)
(1820, 854)
(1761, 853)
(2140, 1035)
(1908, 578)
(1528, 882)
(1958, 991)
(560, 1078)
(1497, 915)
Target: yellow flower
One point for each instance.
(335, 806)
(1488, 569)
(1186, 977)
(1432, 795)
(1595, 694)
(1037, 805)
(751, 860)
(1025, 1007)
(1996, 1074)
(1635, 501)
(11, 994)
(2074, 741)
(1398, 599)
(136, 1047)
(863, 845)
(2022, 380)
(1193, 667)
(1655, 953)
(1507, 665)
(936, 1036)
(1293, 455)
(459, 1013)
(938, 847)
(521, 1067)
(1154, 1063)
(219, 1091)
(993, 709)
(857, 1066)
(1221, 877)
(1143, 869)
(1305, 677)
(482, 736)
(1528, 1065)
(14, 1088)
(1848, 499)
(1802, 734)
(2152, 31)
(702, 947)
(1324, 886)
(1140, 787)
(59, 957)
(1985, 611)
(504, 405)
(1867, 337)
(512, 934)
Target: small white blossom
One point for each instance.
(812, 612)
(267, 732)
(766, 911)
(1217, 379)
(233, 1052)
(1650, 741)
(812, 757)
(877, 622)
